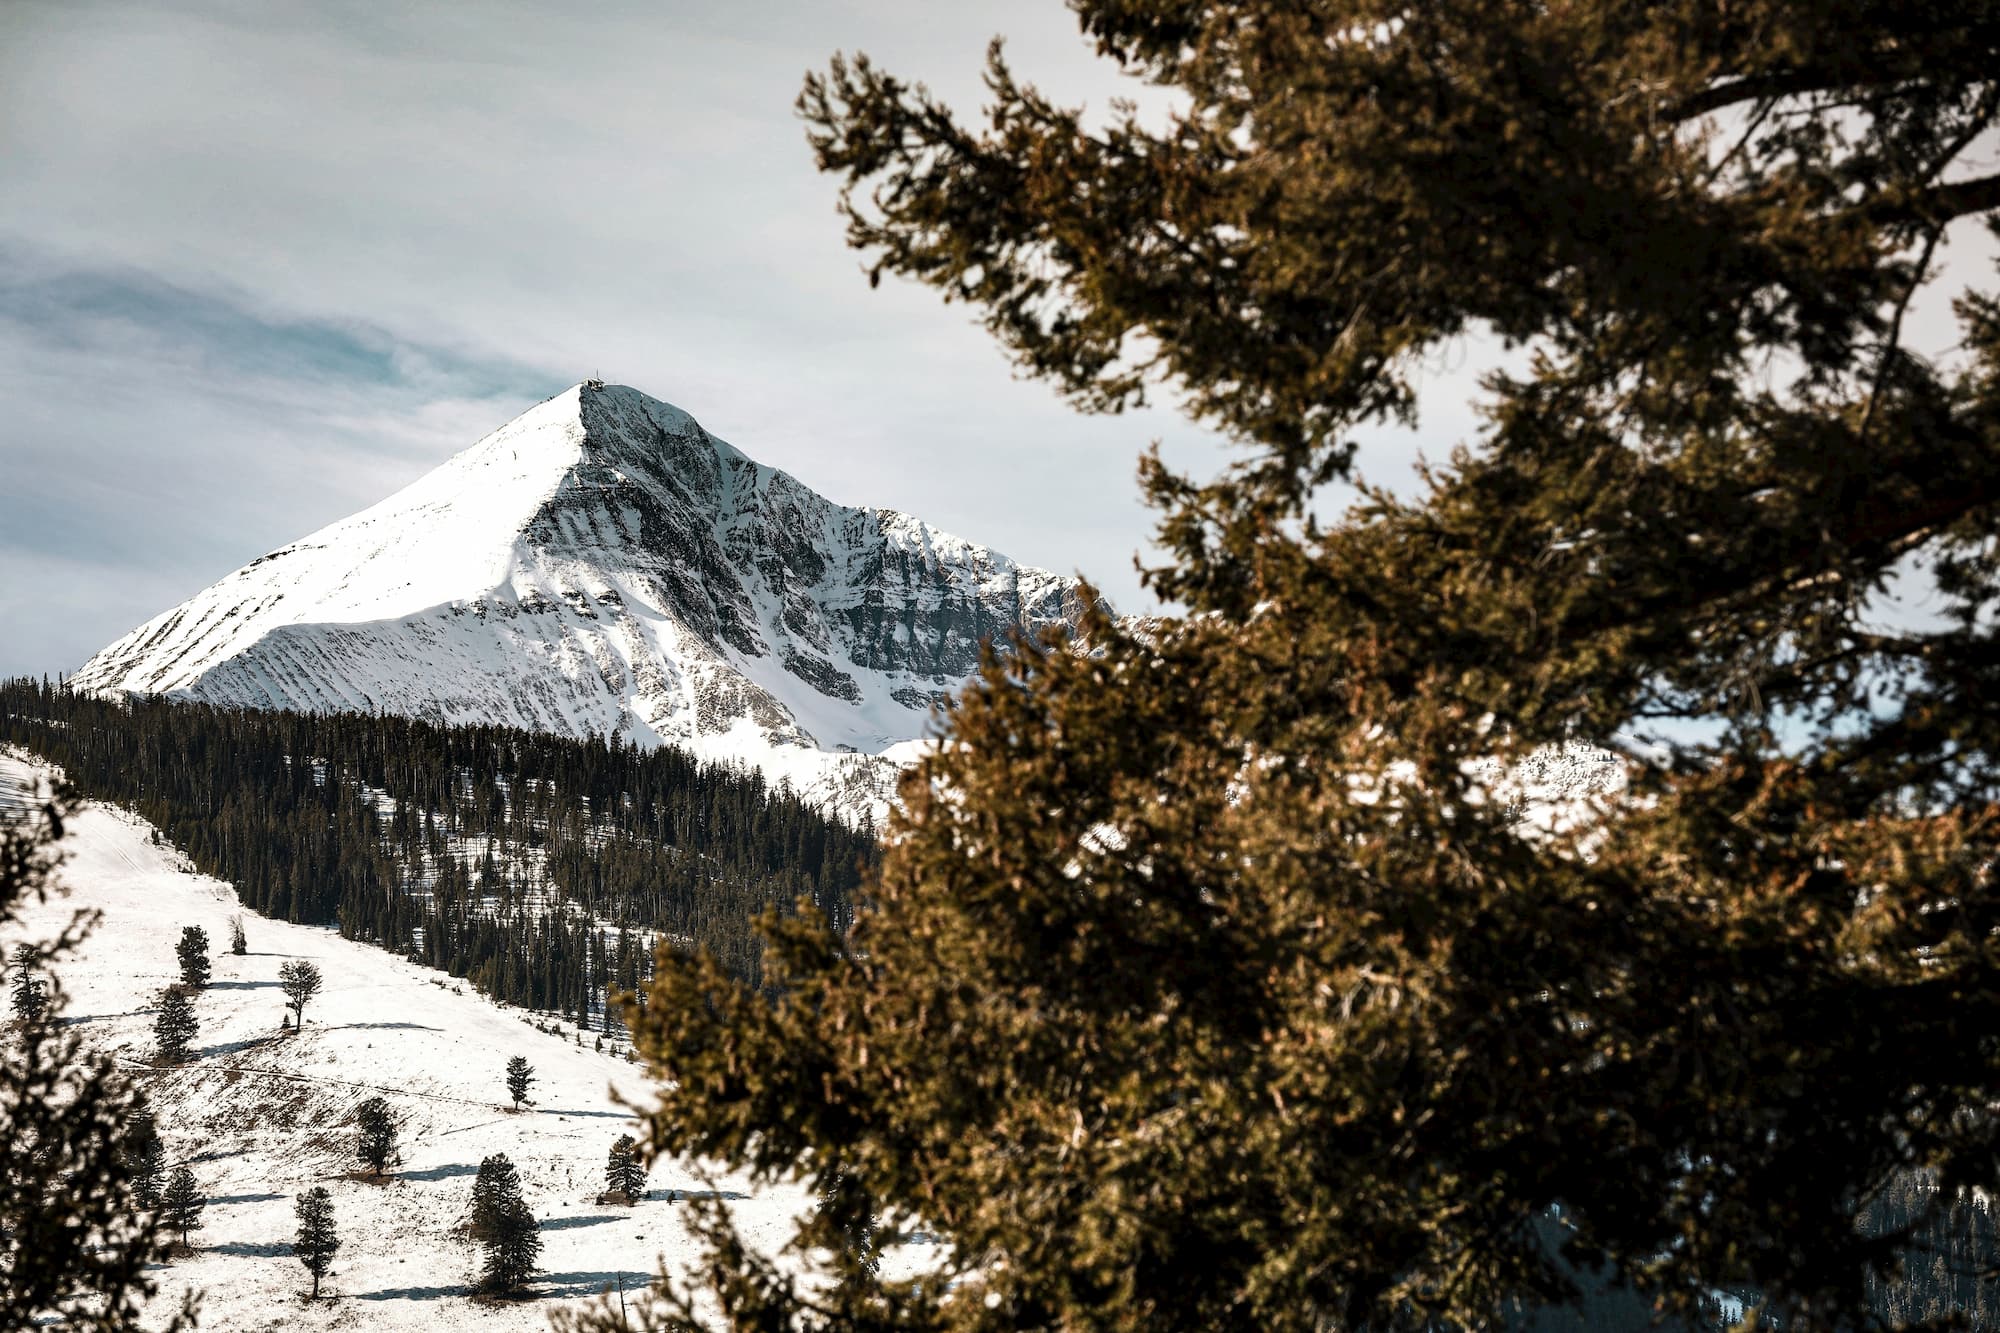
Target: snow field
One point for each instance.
(261, 1116)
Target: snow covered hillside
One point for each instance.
(260, 1116)
(602, 565)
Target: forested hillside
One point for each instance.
(536, 866)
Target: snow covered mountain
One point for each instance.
(601, 565)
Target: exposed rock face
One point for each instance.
(602, 565)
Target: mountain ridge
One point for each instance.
(603, 565)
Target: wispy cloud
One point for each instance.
(260, 263)
(157, 437)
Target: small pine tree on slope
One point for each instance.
(316, 1241)
(193, 953)
(377, 1140)
(30, 993)
(497, 1182)
(513, 1244)
(520, 1076)
(181, 1209)
(174, 1026)
(624, 1173)
(239, 944)
(503, 1226)
(144, 1159)
(300, 981)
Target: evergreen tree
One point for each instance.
(300, 981)
(145, 1159)
(239, 943)
(74, 1248)
(182, 1206)
(625, 1174)
(513, 1243)
(377, 1139)
(1210, 978)
(689, 849)
(520, 1076)
(30, 992)
(497, 1182)
(316, 1241)
(174, 1026)
(846, 1211)
(193, 953)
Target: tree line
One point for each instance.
(541, 868)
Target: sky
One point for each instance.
(262, 263)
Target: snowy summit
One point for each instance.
(601, 565)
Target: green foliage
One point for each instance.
(30, 993)
(284, 807)
(300, 981)
(1207, 982)
(375, 1141)
(520, 1077)
(316, 1241)
(144, 1157)
(239, 943)
(174, 1026)
(624, 1173)
(181, 1209)
(76, 1233)
(497, 1182)
(513, 1243)
(193, 954)
(503, 1226)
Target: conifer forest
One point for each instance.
(539, 868)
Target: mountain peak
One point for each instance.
(601, 564)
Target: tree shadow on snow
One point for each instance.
(370, 1027)
(71, 1020)
(238, 1047)
(682, 1196)
(243, 985)
(253, 1249)
(452, 1172)
(594, 1115)
(572, 1223)
(245, 1198)
(552, 1285)
(414, 1293)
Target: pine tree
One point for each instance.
(377, 1139)
(239, 943)
(193, 953)
(145, 1159)
(513, 1244)
(30, 992)
(316, 1241)
(174, 1026)
(1211, 977)
(625, 1174)
(182, 1206)
(300, 981)
(502, 1224)
(520, 1076)
(845, 1211)
(497, 1182)
(74, 1248)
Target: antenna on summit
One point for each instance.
(594, 382)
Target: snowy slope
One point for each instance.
(261, 1117)
(602, 565)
